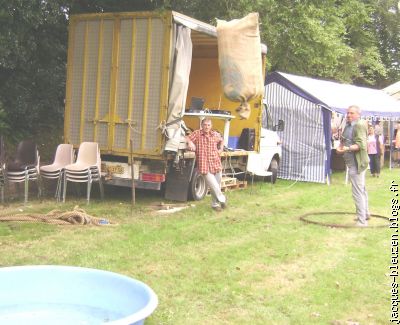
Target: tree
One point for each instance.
(329, 39)
(32, 65)
(356, 41)
(386, 20)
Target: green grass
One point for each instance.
(253, 263)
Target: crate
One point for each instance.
(237, 186)
(228, 181)
(231, 183)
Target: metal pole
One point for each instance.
(133, 176)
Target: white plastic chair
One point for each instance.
(86, 169)
(256, 167)
(64, 156)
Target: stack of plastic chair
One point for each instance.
(25, 166)
(86, 169)
(64, 156)
(2, 169)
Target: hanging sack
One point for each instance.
(240, 61)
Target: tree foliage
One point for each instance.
(386, 18)
(356, 41)
(32, 65)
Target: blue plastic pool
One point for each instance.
(49, 295)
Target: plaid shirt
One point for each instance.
(208, 158)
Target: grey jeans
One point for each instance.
(359, 191)
(214, 183)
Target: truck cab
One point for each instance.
(270, 143)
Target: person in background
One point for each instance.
(353, 146)
(208, 144)
(396, 142)
(334, 130)
(377, 127)
(379, 133)
(337, 125)
(374, 152)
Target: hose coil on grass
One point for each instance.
(305, 218)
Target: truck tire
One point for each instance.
(273, 167)
(197, 186)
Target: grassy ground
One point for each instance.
(252, 263)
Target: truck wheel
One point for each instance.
(197, 186)
(273, 167)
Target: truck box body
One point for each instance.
(119, 81)
(118, 72)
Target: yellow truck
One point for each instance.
(137, 82)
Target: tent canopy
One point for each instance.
(393, 90)
(338, 97)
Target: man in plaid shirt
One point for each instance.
(208, 144)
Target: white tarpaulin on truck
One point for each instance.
(182, 61)
(240, 62)
(250, 63)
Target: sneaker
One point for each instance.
(367, 218)
(361, 225)
(224, 205)
(217, 208)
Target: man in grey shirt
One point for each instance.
(353, 146)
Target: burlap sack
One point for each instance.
(240, 62)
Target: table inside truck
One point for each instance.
(226, 117)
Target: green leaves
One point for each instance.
(356, 41)
(331, 39)
(32, 65)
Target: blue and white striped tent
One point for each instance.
(306, 106)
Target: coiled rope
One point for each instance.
(75, 217)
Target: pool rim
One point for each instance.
(140, 315)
